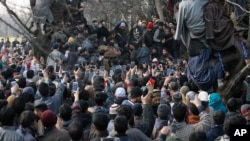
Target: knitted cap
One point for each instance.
(120, 92)
(163, 111)
(150, 25)
(177, 97)
(28, 90)
(113, 109)
(122, 24)
(48, 118)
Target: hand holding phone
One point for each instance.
(152, 81)
(75, 86)
(13, 83)
(191, 95)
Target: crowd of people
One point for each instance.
(97, 84)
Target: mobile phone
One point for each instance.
(144, 90)
(101, 71)
(110, 139)
(75, 86)
(152, 81)
(191, 95)
(13, 83)
(76, 66)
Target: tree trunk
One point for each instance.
(159, 9)
(248, 37)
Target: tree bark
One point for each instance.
(159, 9)
(248, 38)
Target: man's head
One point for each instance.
(156, 97)
(27, 119)
(135, 93)
(100, 121)
(198, 136)
(121, 124)
(126, 111)
(179, 111)
(219, 117)
(48, 119)
(75, 131)
(30, 74)
(65, 112)
(233, 120)
(100, 98)
(39, 108)
(150, 26)
(44, 89)
(7, 115)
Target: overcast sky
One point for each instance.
(21, 7)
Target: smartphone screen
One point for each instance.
(191, 96)
(152, 81)
(101, 71)
(75, 86)
(13, 83)
(76, 67)
(110, 139)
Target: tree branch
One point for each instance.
(233, 3)
(21, 33)
(12, 13)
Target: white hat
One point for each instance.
(120, 92)
(155, 60)
(122, 24)
(113, 109)
(203, 96)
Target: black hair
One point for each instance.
(135, 92)
(50, 69)
(27, 118)
(117, 76)
(179, 111)
(198, 136)
(84, 95)
(100, 98)
(232, 104)
(7, 115)
(30, 74)
(75, 131)
(65, 112)
(84, 105)
(98, 83)
(100, 121)
(19, 104)
(126, 111)
(193, 109)
(219, 117)
(44, 89)
(52, 89)
(121, 124)
(42, 107)
(233, 120)
(52, 76)
(22, 82)
(28, 97)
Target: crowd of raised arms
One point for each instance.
(123, 84)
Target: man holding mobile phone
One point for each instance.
(14, 88)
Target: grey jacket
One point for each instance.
(8, 133)
(53, 56)
(55, 101)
